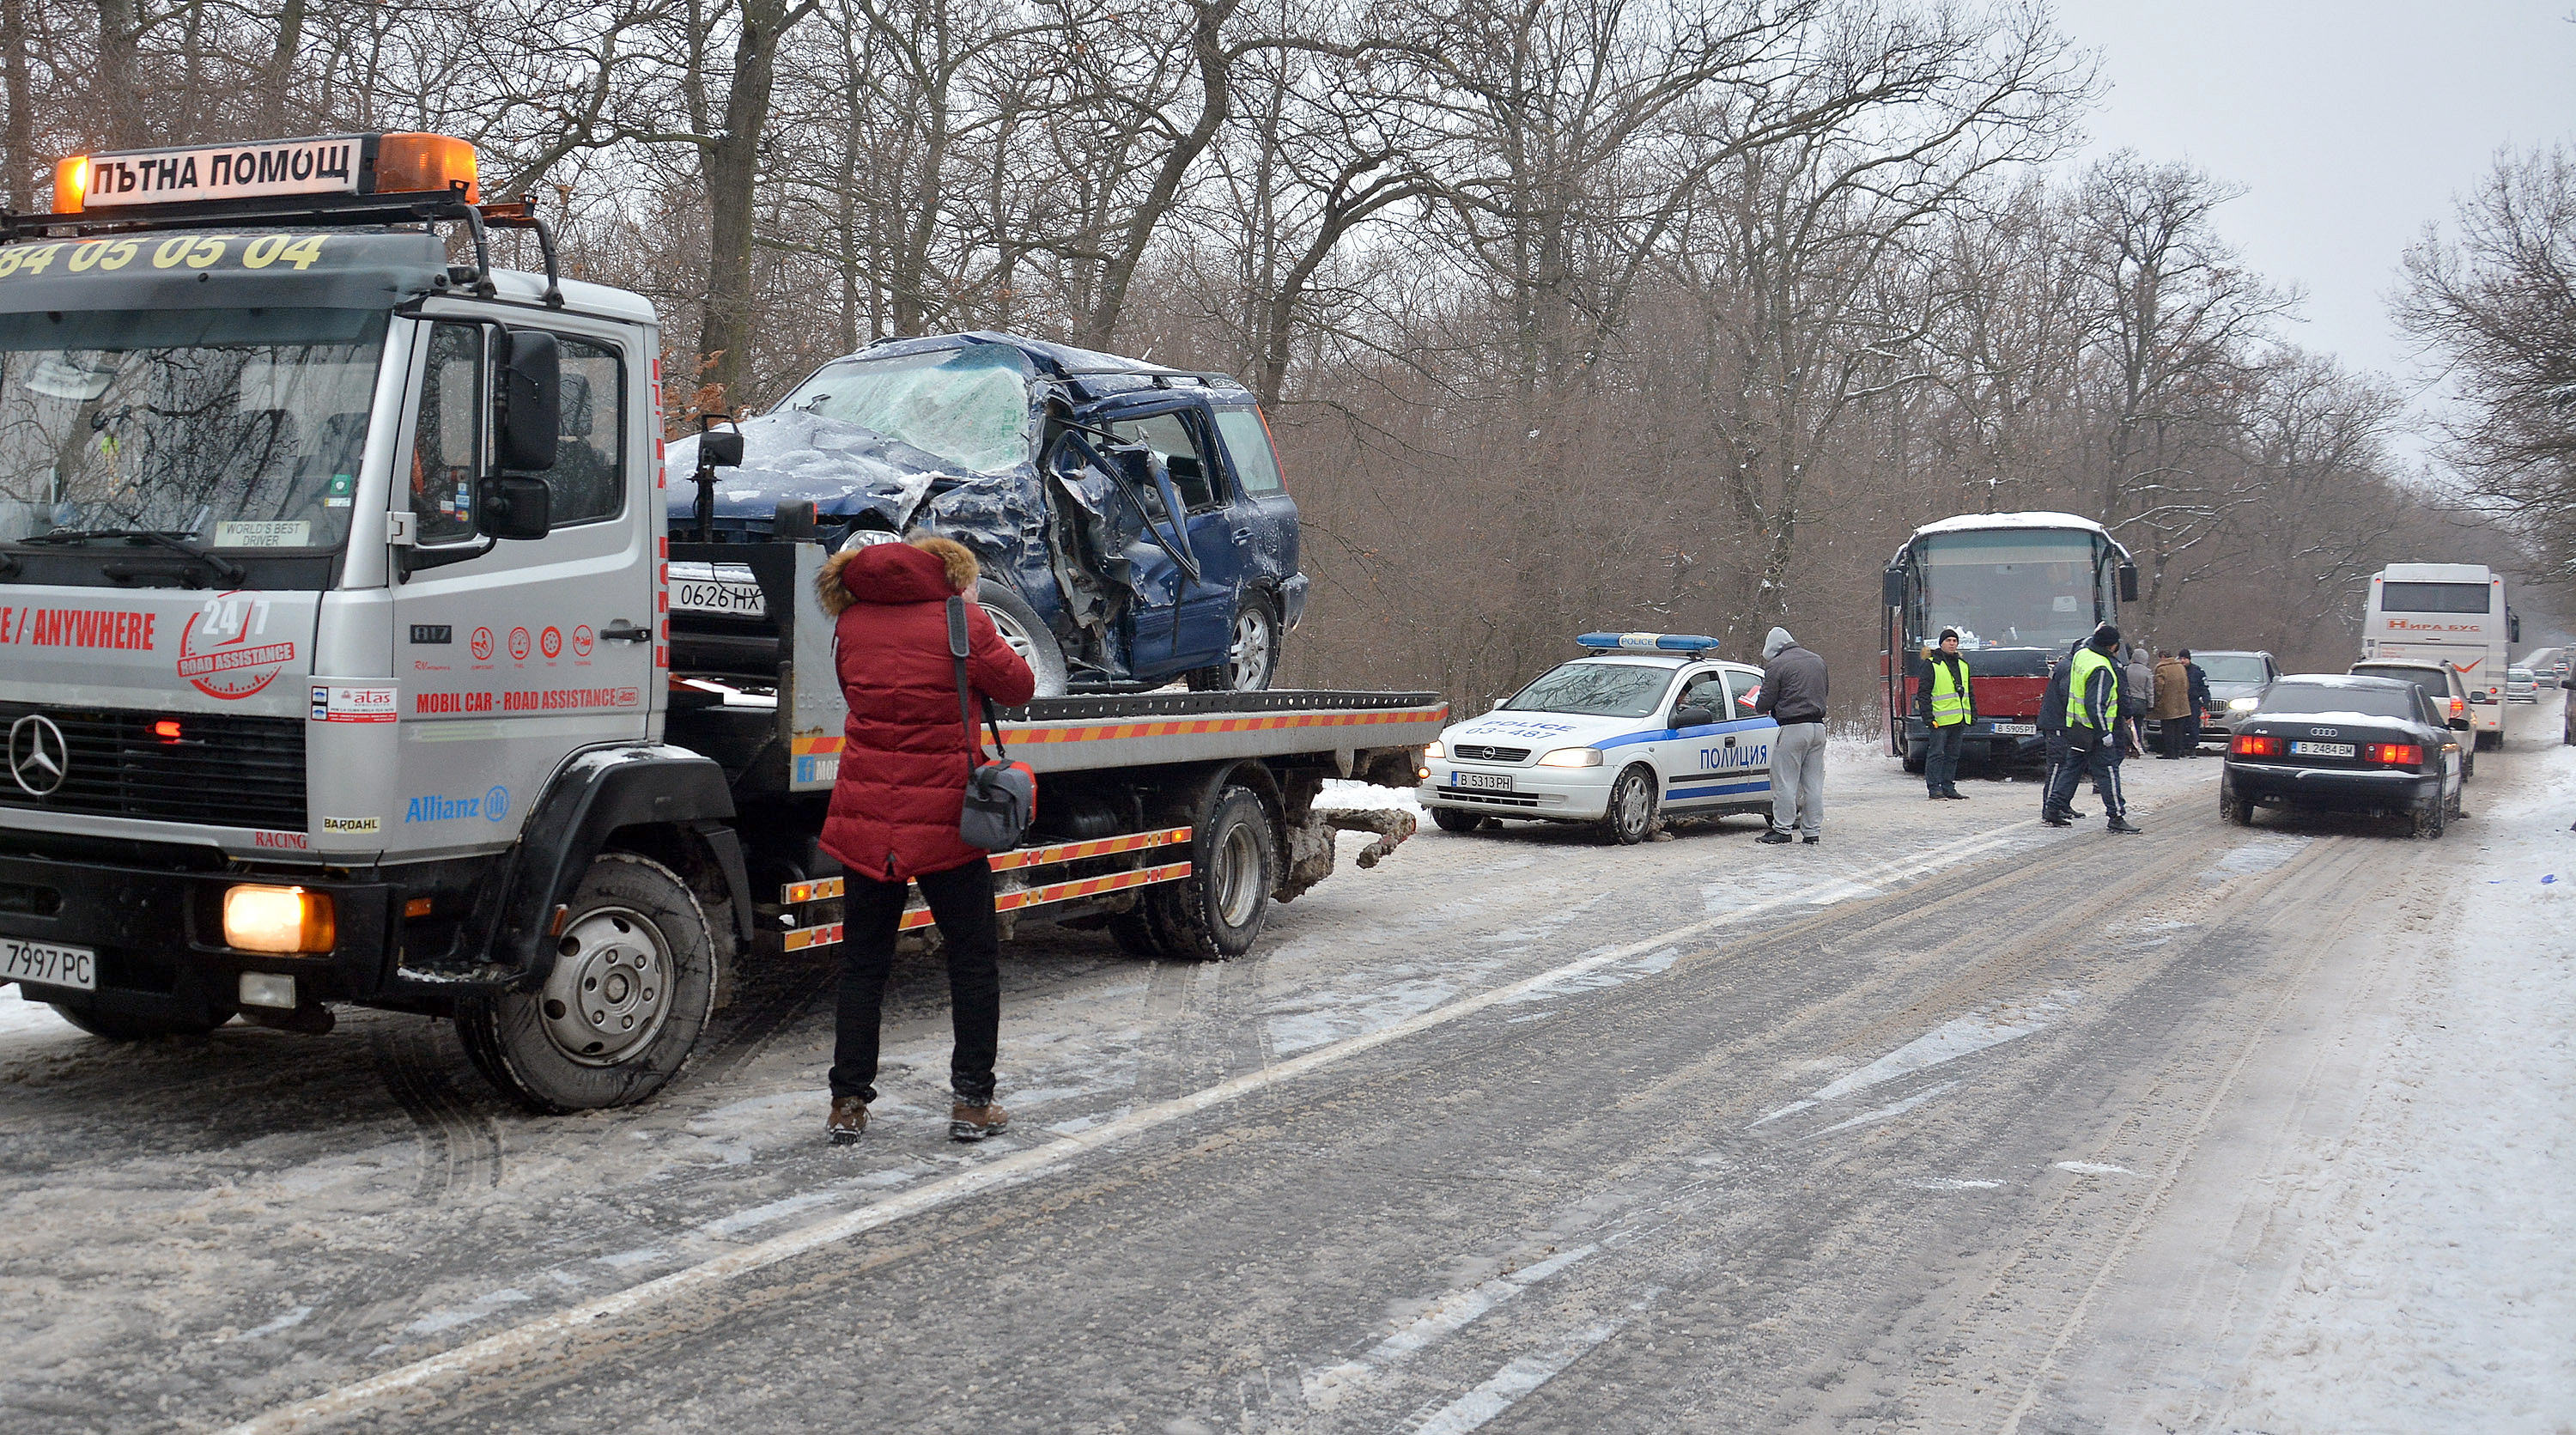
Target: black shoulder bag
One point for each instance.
(1001, 795)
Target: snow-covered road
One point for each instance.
(1955, 1121)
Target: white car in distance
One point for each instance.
(1643, 725)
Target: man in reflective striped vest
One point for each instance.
(2092, 733)
(1947, 705)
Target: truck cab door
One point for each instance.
(511, 654)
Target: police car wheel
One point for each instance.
(1450, 819)
(1019, 625)
(632, 985)
(1216, 912)
(1631, 818)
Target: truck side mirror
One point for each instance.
(720, 448)
(1891, 587)
(509, 505)
(529, 397)
(2128, 582)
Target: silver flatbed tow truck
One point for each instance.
(337, 662)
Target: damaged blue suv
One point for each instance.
(1130, 519)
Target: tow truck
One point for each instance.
(337, 663)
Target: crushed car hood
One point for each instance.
(845, 470)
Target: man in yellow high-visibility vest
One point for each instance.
(2092, 732)
(1946, 703)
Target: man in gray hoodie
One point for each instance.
(1793, 694)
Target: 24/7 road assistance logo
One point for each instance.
(220, 651)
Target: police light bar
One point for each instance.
(332, 166)
(1649, 642)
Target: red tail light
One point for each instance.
(166, 729)
(2394, 754)
(2459, 708)
(2254, 744)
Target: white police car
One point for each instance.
(1644, 724)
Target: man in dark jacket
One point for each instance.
(1793, 694)
(2093, 702)
(2199, 704)
(905, 758)
(2052, 730)
(1947, 704)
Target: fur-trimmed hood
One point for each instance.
(921, 570)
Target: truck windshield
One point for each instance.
(230, 428)
(968, 406)
(2009, 588)
(1595, 690)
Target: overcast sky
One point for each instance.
(2348, 125)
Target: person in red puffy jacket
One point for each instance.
(905, 758)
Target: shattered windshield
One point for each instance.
(1595, 690)
(969, 406)
(230, 428)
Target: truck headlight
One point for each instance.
(279, 919)
(2243, 705)
(1572, 757)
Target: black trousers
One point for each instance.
(1941, 758)
(2097, 754)
(961, 902)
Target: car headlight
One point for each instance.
(1572, 757)
(1433, 749)
(2243, 705)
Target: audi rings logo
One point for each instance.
(38, 757)
(2325, 732)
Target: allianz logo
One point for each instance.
(492, 806)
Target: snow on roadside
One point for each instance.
(2437, 1294)
(17, 1015)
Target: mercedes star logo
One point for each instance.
(38, 756)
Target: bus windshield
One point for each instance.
(231, 428)
(2009, 588)
(2436, 598)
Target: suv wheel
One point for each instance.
(1251, 655)
(1019, 626)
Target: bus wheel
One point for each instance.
(633, 982)
(1216, 912)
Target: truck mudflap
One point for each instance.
(668, 792)
(155, 938)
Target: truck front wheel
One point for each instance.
(1216, 912)
(633, 982)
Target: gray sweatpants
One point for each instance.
(1798, 779)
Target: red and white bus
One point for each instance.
(2021, 588)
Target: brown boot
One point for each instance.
(849, 1120)
(974, 1123)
